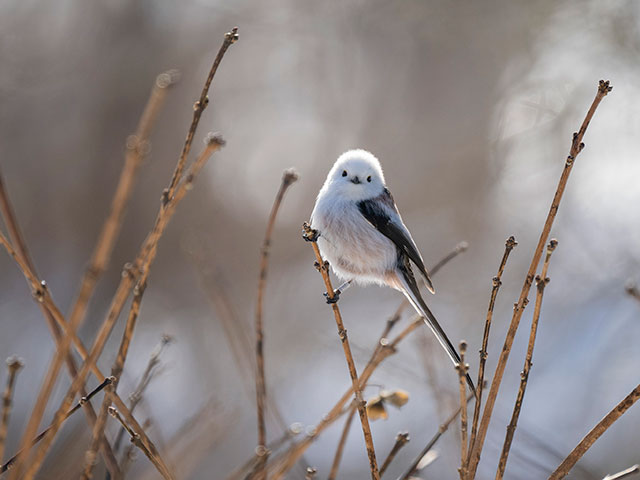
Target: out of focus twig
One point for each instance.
(595, 433)
(576, 147)
(541, 282)
(401, 440)
(497, 282)
(624, 473)
(337, 458)
(323, 268)
(14, 364)
(288, 178)
(632, 289)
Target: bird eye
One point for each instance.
(344, 173)
(369, 178)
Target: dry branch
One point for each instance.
(576, 147)
(337, 458)
(595, 433)
(14, 364)
(288, 177)
(323, 268)
(401, 440)
(497, 282)
(541, 282)
(462, 369)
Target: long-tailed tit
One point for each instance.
(363, 237)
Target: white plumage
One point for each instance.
(363, 237)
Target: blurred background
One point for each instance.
(470, 107)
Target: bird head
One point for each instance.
(356, 175)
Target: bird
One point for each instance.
(360, 232)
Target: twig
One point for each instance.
(341, 443)
(83, 401)
(509, 245)
(137, 148)
(401, 440)
(384, 348)
(14, 364)
(595, 433)
(624, 473)
(541, 282)
(462, 369)
(443, 428)
(576, 147)
(129, 453)
(632, 289)
(288, 177)
(323, 268)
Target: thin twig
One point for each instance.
(341, 444)
(83, 401)
(443, 428)
(401, 440)
(541, 282)
(497, 282)
(462, 369)
(14, 364)
(323, 268)
(624, 473)
(384, 348)
(576, 147)
(135, 439)
(129, 454)
(288, 177)
(595, 433)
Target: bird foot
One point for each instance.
(311, 235)
(334, 298)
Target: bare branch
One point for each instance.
(401, 440)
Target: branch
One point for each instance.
(541, 281)
(288, 177)
(576, 148)
(14, 364)
(401, 440)
(462, 369)
(509, 245)
(341, 443)
(323, 268)
(595, 433)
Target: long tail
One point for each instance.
(410, 289)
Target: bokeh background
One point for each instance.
(469, 105)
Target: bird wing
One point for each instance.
(407, 282)
(391, 226)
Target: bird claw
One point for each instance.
(334, 298)
(311, 235)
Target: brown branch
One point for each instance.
(14, 364)
(137, 148)
(323, 268)
(595, 433)
(384, 348)
(341, 444)
(83, 401)
(135, 438)
(401, 440)
(462, 369)
(509, 245)
(443, 428)
(288, 177)
(229, 39)
(624, 473)
(51, 313)
(576, 147)
(541, 282)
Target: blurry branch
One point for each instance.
(51, 313)
(576, 147)
(147, 376)
(129, 454)
(288, 178)
(462, 369)
(137, 147)
(323, 267)
(401, 440)
(632, 289)
(624, 473)
(383, 349)
(14, 364)
(595, 433)
(83, 401)
(509, 245)
(541, 281)
(341, 443)
(443, 428)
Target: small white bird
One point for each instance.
(361, 234)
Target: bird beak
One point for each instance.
(355, 180)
